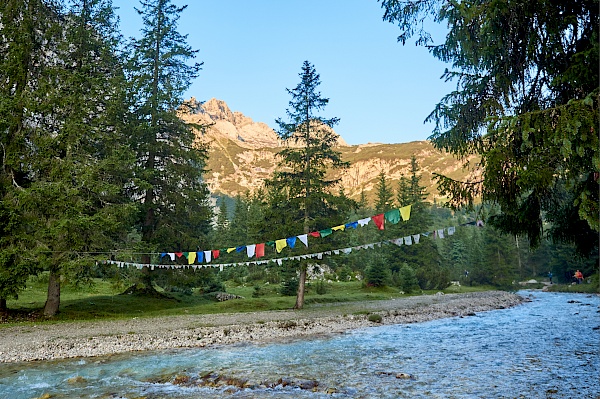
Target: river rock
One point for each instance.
(308, 384)
(76, 380)
(224, 296)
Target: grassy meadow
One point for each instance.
(101, 300)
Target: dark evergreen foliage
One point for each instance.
(69, 150)
(377, 273)
(302, 197)
(174, 201)
(526, 105)
(27, 29)
(385, 194)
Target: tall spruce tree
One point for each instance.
(175, 213)
(526, 103)
(75, 202)
(302, 178)
(26, 31)
(69, 196)
(424, 257)
(385, 194)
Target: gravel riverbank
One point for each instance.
(45, 341)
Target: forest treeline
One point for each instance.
(96, 164)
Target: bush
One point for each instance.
(407, 279)
(258, 292)
(321, 287)
(258, 275)
(345, 273)
(377, 274)
(213, 285)
(430, 278)
(375, 318)
(289, 287)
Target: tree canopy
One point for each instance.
(174, 208)
(301, 180)
(526, 104)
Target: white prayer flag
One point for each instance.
(250, 250)
(364, 222)
(304, 239)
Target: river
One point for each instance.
(546, 348)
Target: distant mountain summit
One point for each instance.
(243, 153)
(232, 125)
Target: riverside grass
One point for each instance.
(101, 300)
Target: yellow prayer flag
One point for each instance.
(405, 212)
(230, 250)
(280, 244)
(340, 227)
(191, 258)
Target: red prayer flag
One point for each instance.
(315, 234)
(216, 253)
(179, 254)
(378, 219)
(260, 250)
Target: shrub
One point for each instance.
(377, 274)
(289, 287)
(258, 292)
(321, 287)
(407, 278)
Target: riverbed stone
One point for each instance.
(89, 339)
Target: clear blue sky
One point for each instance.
(253, 50)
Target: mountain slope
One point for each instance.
(243, 154)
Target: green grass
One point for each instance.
(461, 289)
(577, 288)
(102, 301)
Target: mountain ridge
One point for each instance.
(243, 153)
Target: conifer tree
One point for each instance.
(175, 212)
(526, 104)
(72, 203)
(239, 222)
(385, 194)
(363, 203)
(377, 273)
(222, 225)
(82, 165)
(26, 29)
(301, 178)
(417, 197)
(403, 192)
(424, 257)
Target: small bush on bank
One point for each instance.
(321, 287)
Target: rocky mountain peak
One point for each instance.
(232, 125)
(243, 153)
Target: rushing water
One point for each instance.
(547, 348)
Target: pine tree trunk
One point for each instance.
(301, 283)
(3, 308)
(53, 298)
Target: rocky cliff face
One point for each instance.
(243, 153)
(221, 122)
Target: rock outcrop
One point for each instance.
(221, 122)
(243, 153)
